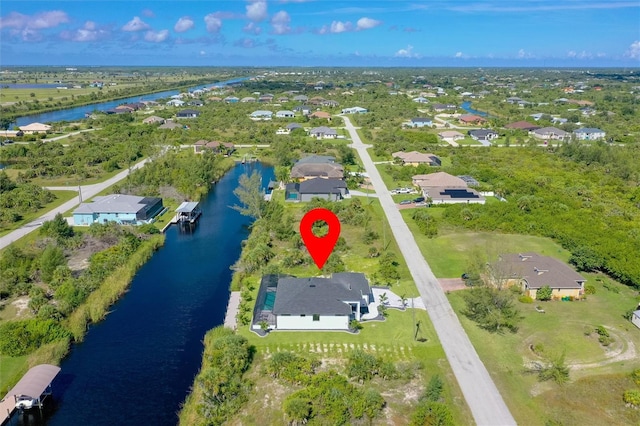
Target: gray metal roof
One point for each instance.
(539, 271)
(36, 381)
(115, 203)
(323, 296)
(187, 207)
(316, 159)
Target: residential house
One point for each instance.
(175, 102)
(420, 122)
(293, 126)
(355, 110)
(513, 100)
(196, 102)
(289, 303)
(170, 124)
(214, 99)
(188, 113)
(443, 107)
(215, 146)
(302, 109)
(316, 159)
(323, 132)
(558, 120)
(261, 115)
(300, 98)
(153, 119)
(443, 188)
(231, 99)
(451, 136)
(483, 134)
(549, 133)
(122, 209)
(283, 99)
(415, 158)
(285, 114)
(328, 189)
(522, 125)
(306, 171)
(316, 100)
(266, 98)
(34, 128)
(247, 99)
(330, 103)
(537, 116)
(421, 100)
(532, 271)
(471, 119)
(635, 318)
(589, 134)
(321, 115)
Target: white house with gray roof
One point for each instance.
(317, 303)
(589, 134)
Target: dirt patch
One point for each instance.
(22, 306)
(79, 259)
(452, 284)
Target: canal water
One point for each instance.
(78, 113)
(467, 107)
(136, 367)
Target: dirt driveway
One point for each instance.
(451, 284)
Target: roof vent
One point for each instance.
(312, 285)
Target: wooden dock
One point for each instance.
(230, 320)
(7, 406)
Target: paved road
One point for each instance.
(88, 191)
(67, 135)
(481, 394)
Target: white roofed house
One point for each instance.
(451, 135)
(261, 115)
(122, 209)
(420, 122)
(355, 110)
(285, 114)
(323, 132)
(589, 134)
(415, 158)
(175, 102)
(549, 133)
(35, 128)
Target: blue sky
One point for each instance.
(321, 32)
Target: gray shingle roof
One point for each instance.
(323, 296)
(539, 271)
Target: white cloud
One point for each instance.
(213, 24)
(367, 23)
(252, 28)
(136, 24)
(203, 53)
(156, 36)
(571, 54)
(148, 13)
(257, 10)
(458, 55)
(184, 24)
(336, 27)
(406, 53)
(87, 33)
(38, 21)
(280, 23)
(523, 54)
(634, 50)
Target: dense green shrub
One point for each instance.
(22, 337)
(432, 413)
(525, 299)
(590, 289)
(632, 397)
(544, 293)
(492, 309)
(291, 367)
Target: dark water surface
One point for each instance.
(136, 367)
(467, 107)
(78, 113)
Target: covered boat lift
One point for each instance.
(189, 211)
(35, 384)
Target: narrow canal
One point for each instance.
(136, 367)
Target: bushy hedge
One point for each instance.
(22, 337)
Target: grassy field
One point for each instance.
(563, 328)
(61, 198)
(449, 253)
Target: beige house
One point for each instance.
(305, 171)
(415, 158)
(451, 135)
(154, 119)
(532, 271)
(35, 128)
(443, 188)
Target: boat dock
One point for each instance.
(188, 212)
(34, 388)
(230, 320)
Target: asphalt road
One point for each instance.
(482, 396)
(87, 191)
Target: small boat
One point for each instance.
(24, 402)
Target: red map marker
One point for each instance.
(320, 248)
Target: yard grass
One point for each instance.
(9, 366)
(562, 329)
(61, 198)
(449, 253)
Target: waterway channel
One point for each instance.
(78, 113)
(136, 367)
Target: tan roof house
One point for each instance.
(451, 135)
(533, 271)
(471, 119)
(306, 171)
(154, 119)
(443, 188)
(415, 158)
(321, 114)
(35, 128)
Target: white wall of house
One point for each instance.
(635, 318)
(325, 322)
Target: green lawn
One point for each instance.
(11, 368)
(449, 253)
(562, 328)
(61, 198)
